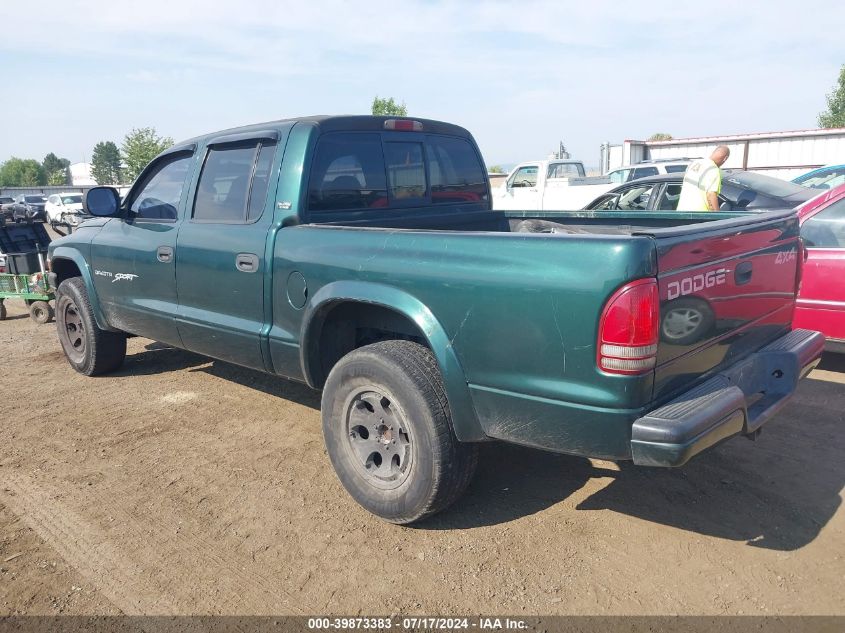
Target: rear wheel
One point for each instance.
(388, 432)
(89, 349)
(2, 310)
(41, 312)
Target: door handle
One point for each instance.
(164, 254)
(742, 274)
(246, 262)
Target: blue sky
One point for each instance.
(519, 75)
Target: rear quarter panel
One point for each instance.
(520, 311)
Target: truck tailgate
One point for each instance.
(727, 288)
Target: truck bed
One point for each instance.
(521, 307)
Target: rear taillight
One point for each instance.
(628, 329)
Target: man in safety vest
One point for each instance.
(703, 182)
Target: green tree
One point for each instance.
(56, 170)
(22, 172)
(139, 147)
(495, 169)
(105, 163)
(660, 136)
(834, 116)
(387, 107)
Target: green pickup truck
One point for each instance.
(361, 255)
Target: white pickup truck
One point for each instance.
(549, 185)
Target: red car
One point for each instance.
(821, 302)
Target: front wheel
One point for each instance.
(388, 432)
(89, 349)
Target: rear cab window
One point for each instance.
(565, 170)
(370, 170)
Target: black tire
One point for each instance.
(408, 414)
(2, 310)
(41, 312)
(686, 320)
(89, 350)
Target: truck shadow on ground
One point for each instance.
(160, 358)
(777, 493)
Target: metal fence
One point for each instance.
(43, 191)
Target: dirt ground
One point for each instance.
(185, 486)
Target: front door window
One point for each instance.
(159, 197)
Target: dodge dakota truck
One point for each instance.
(361, 255)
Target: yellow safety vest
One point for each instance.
(701, 177)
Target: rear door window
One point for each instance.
(676, 169)
(233, 184)
(455, 172)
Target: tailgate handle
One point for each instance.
(742, 274)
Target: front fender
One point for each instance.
(71, 254)
(465, 421)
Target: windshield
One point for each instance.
(72, 199)
(823, 179)
(764, 184)
(34, 199)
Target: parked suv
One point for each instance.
(649, 168)
(64, 208)
(28, 207)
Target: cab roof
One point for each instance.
(334, 123)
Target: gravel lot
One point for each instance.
(181, 485)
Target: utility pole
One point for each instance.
(561, 152)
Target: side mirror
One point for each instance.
(101, 202)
